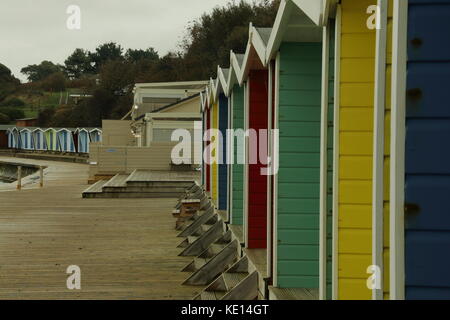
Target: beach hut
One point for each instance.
(14, 138)
(39, 139)
(295, 52)
(236, 94)
(50, 139)
(83, 140)
(255, 75)
(26, 139)
(420, 157)
(353, 151)
(95, 135)
(214, 141)
(11, 140)
(206, 139)
(222, 122)
(64, 140)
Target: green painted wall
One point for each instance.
(330, 160)
(238, 169)
(299, 174)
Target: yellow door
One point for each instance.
(356, 91)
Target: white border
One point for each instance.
(378, 147)
(398, 136)
(275, 176)
(269, 176)
(246, 182)
(324, 165)
(337, 86)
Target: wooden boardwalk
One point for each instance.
(126, 248)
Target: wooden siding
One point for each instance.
(355, 150)
(298, 177)
(238, 169)
(257, 183)
(427, 156)
(117, 133)
(112, 160)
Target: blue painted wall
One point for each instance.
(427, 166)
(223, 168)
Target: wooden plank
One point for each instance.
(113, 242)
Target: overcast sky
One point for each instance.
(36, 30)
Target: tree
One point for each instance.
(13, 113)
(37, 72)
(106, 52)
(4, 119)
(137, 55)
(209, 40)
(8, 83)
(79, 63)
(13, 102)
(45, 117)
(55, 82)
(117, 77)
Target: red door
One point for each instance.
(257, 184)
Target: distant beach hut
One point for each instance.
(14, 138)
(64, 140)
(26, 139)
(38, 137)
(50, 139)
(95, 135)
(83, 140)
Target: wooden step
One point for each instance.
(233, 279)
(119, 180)
(95, 189)
(195, 265)
(293, 294)
(204, 241)
(215, 266)
(244, 288)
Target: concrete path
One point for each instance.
(126, 248)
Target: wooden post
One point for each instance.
(19, 177)
(41, 174)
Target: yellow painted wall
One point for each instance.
(387, 137)
(215, 153)
(357, 74)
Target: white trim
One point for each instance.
(280, 24)
(246, 166)
(314, 9)
(231, 157)
(398, 136)
(254, 41)
(269, 177)
(324, 166)
(275, 177)
(236, 70)
(378, 147)
(335, 272)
